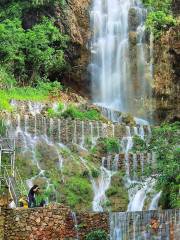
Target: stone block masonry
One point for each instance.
(50, 224)
(60, 223)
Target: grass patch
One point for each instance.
(28, 93)
(40, 93)
(74, 112)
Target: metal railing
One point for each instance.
(14, 183)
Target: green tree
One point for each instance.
(44, 49)
(29, 55)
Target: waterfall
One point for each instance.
(27, 139)
(99, 185)
(137, 190)
(155, 201)
(137, 225)
(74, 217)
(114, 84)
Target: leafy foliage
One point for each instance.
(160, 17)
(32, 54)
(77, 190)
(158, 5)
(74, 112)
(159, 21)
(110, 145)
(97, 235)
(40, 93)
(165, 143)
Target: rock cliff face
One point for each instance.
(166, 78)
(74, 20)
(176, 7)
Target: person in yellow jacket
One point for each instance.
(23, 202)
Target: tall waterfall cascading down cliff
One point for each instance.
(120, 69)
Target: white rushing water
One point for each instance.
(100, 185)
(113, 84)
(138, 190)
(155, 201)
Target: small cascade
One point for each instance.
(137, 189)
(141, 132)
(115, 163)
(74, 217)
(155, 201)
(27, 141)
(59, 129)
(135, 166)
(113, 115)
(137, 225)
(138, 194)
(93, 139)
(35, 108)
(82, 135)
(100, 187)
(75, 133)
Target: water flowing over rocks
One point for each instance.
(44, 143)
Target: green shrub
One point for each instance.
(39, 3)
(110, 145)
(165, 142)
(157, 5)
(159, 16)
(77, 190)
(60, 107)
(95, 173)
(51, 113)
(97, 235)
(6, 79)
(139, 144)
(33, 54)
(72, 112)
(111, 191)
(159, 21)
(75, 113)
(50, 87)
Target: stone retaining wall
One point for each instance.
(47, 224)
(59, 223)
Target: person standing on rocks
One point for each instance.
(31, 196)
